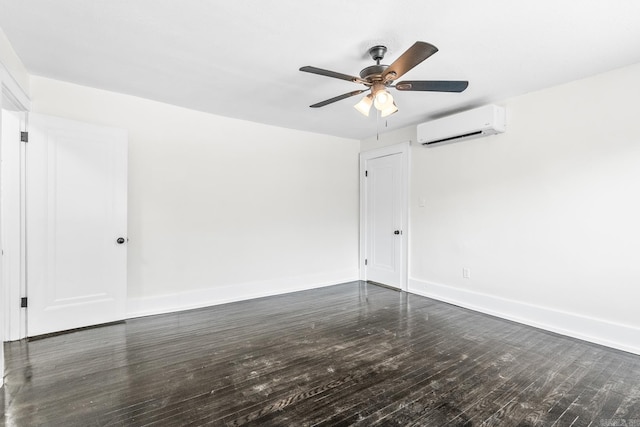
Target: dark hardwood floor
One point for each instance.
(348, 354)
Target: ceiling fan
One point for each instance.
(378, 78)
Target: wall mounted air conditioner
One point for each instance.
(483, 121)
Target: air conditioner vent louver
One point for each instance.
(483, 121)
(451, 138)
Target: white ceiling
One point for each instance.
(241, 58)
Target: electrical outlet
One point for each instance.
(466, 273)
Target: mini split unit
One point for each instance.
(476, 123)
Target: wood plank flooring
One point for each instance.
(349, 354)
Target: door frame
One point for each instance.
(404, 149)
(12, 320)
(14, 286)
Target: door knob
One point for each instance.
(120, 240)
(396, 232)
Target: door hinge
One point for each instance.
(365, 262)
(366, 174)
(24, 136)
(23, 302)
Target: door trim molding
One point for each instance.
(13, 321)
(13, 95)
(13, 262)
(404, 149)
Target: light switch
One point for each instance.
(422, 202)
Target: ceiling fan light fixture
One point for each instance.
(379, 78)
(383, 100)
(389, 110)
(364, 106)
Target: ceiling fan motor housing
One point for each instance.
(373, 73)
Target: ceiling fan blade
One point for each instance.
(320, 71)
(409, 59)
(338, 98)
(433, 85)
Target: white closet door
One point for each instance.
(76, 246)
(384, 214)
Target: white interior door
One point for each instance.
(385, 218)
(76, 202)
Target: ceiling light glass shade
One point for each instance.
(383, 100)
(389, 110)
(364, 105)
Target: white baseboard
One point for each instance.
(599, 331)
(179, 301)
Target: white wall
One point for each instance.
(223, 209)
(389, 138)
(545, 216)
